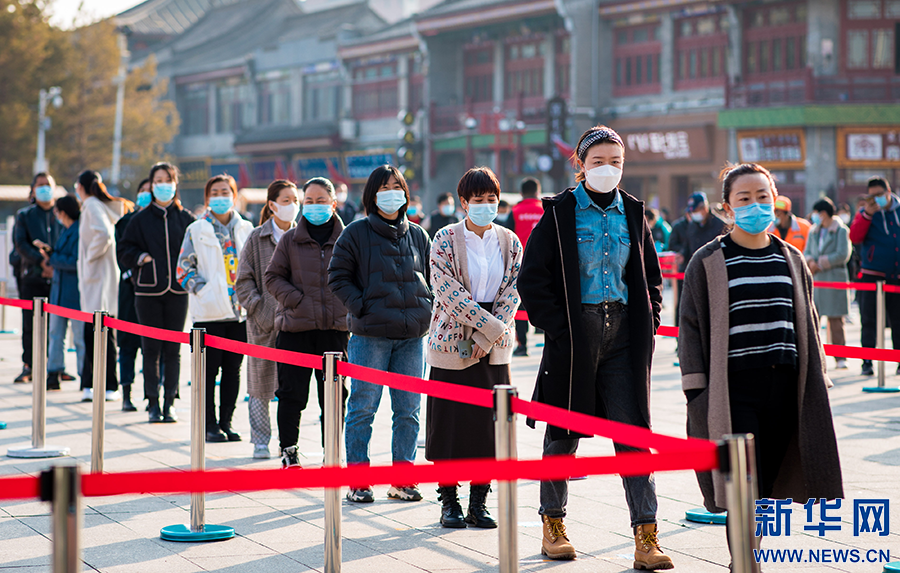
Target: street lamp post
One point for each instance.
(119, 80)
(53, 95)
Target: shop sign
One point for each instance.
(309, 166)
(194, 173)
(361, 164)
(776, 148)
(689, 143)
(868, 147)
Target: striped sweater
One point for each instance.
(761, 312)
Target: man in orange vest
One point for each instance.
(794, 230)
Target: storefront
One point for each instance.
(783, 152)
(864, 152)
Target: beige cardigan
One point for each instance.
(455, 316)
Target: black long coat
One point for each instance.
(550, 286)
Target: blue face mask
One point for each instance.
(391, 200)
(143, 199)
(754, 218)
(412, 211)
(221, 205)
(880, 200)
(317, 214)
(815, 218)
(482, 214)
(44, 193)
(164, 192)
(448, 210)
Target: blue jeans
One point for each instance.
(57, 342)
(399, 356)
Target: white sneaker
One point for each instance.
(112, 395)
(841, 364)
(261, 452)
(87, 395)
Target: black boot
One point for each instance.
(451, 511)
(127, 406)
(153, 409)
(53, 381)
(478, 514)
(168, 413)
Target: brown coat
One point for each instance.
(811, 468)
(298, 279)
(262, 379)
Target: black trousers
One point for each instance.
(230, 365)
(29, 290)
(764, 403)
(522, 332)
(165, 311)
(293, 381)
(867, 305)
(87, 372)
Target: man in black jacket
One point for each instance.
(590, 278)
(36, 228)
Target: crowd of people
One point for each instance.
(399, 297)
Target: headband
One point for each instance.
(601, 134)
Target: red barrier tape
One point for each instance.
(433, 388)
(819, 284)
(69, 313)
(148, 331)
(479, 471)
(265, 353)
(23, 304)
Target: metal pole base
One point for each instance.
(892, 567)
(45, 452)
(9, 332)
(2, 425)
(881, 389)
(182, 532)
(702, 516)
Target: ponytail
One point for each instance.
(94, 187)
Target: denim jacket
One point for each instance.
(604, 246)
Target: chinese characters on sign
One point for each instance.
(775, 148)
(671, 144)
(870, 516)
(868, 147)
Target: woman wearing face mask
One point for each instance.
(64, 288)
(277, 218)
(591, 281)
(98, 274)
(150, 249)
(129, 344)
(207, 270)
(470, 341)
(310, 317)
(379, 271)
(827, 254)
(750, 352)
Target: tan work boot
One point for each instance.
(555, 544)
(647, 553)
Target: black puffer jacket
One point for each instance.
(380, 272)
(158, 232)
(34, 223)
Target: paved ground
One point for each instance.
(283, 530)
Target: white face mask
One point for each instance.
(603, 179)
(845, 217)
(287, 213)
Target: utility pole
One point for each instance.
(53, 95)
(119, 80)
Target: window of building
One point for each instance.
(700, 47)
(524, 69)
(322, 96)
(275, 102)
(478, 71)
(235, 107)
(375, 90)
(869, 34)
(637, 60)
(775, 39)
(194, 109)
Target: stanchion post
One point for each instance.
(198, 530)
(38, 448)
(99, 384)
(61, 486)
(334, 418)
(740, 490)
(505, 440)
(880, 324)
(3, 307)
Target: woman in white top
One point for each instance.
(98, 272)
(474, 267)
